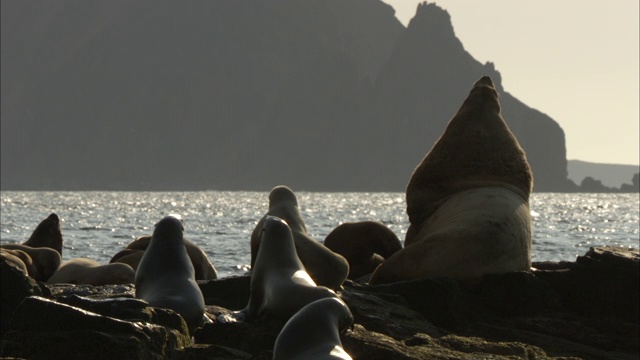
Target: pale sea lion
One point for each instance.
(90, 272)
(165, 277)
(45, 260)
(324, 266)
(468, 200)
(313, 333)
(47, 234)
(132, 254)
(365, 245)
(280, 284)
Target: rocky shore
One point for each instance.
(587, 309)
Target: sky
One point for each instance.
(574, 60)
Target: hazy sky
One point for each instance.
(574, 60)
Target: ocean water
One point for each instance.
(97, 225)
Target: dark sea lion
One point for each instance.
(365, 244)
(280, 284)
(90, 272)
(468, 200)
(325, 266)
(313, 333)
(165, 277)
(47, 234)
(133, 253)
(45, 261)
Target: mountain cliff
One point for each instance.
(324, 96)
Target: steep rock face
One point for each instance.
(544, 142)
(326, 95)
(225, 90)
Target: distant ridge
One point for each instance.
(611, 175)
(238, 95)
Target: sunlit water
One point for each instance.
(99, 224)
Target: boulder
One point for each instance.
(15, 287)
(43, 328)
(603, 282)
(231, 292)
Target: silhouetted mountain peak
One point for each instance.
(433, 22)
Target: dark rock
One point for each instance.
(603, 282)
(592, 185)
(130, 309)
(386, 314)
(101, 291)
(634, 187)
(459, 303)
(198, 351)
(448, 309)
(231, 293)
(15, 287)
(361, 344)
(512, 294)
(262, 333)
(42, 328)
(573, 310)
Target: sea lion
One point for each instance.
(279, 284)
(314, 332)
(365, 245)
(324, 266)
(468, 200)
(90, 272)
(130, 257)
(47, 234)
(165, 277)
(17, 258)
(132, 254)
(45, 261)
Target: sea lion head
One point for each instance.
(169, 230)
(276, 238)
(284, 204)
(282, 194)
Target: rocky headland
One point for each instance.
(591, 185)
(587, 309)
(322, 96)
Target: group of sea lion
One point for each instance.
(40, 256)
(468, 208)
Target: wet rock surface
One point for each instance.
(587, 309)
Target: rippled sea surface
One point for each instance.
(99, 224)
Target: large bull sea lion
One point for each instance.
(468, 200)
